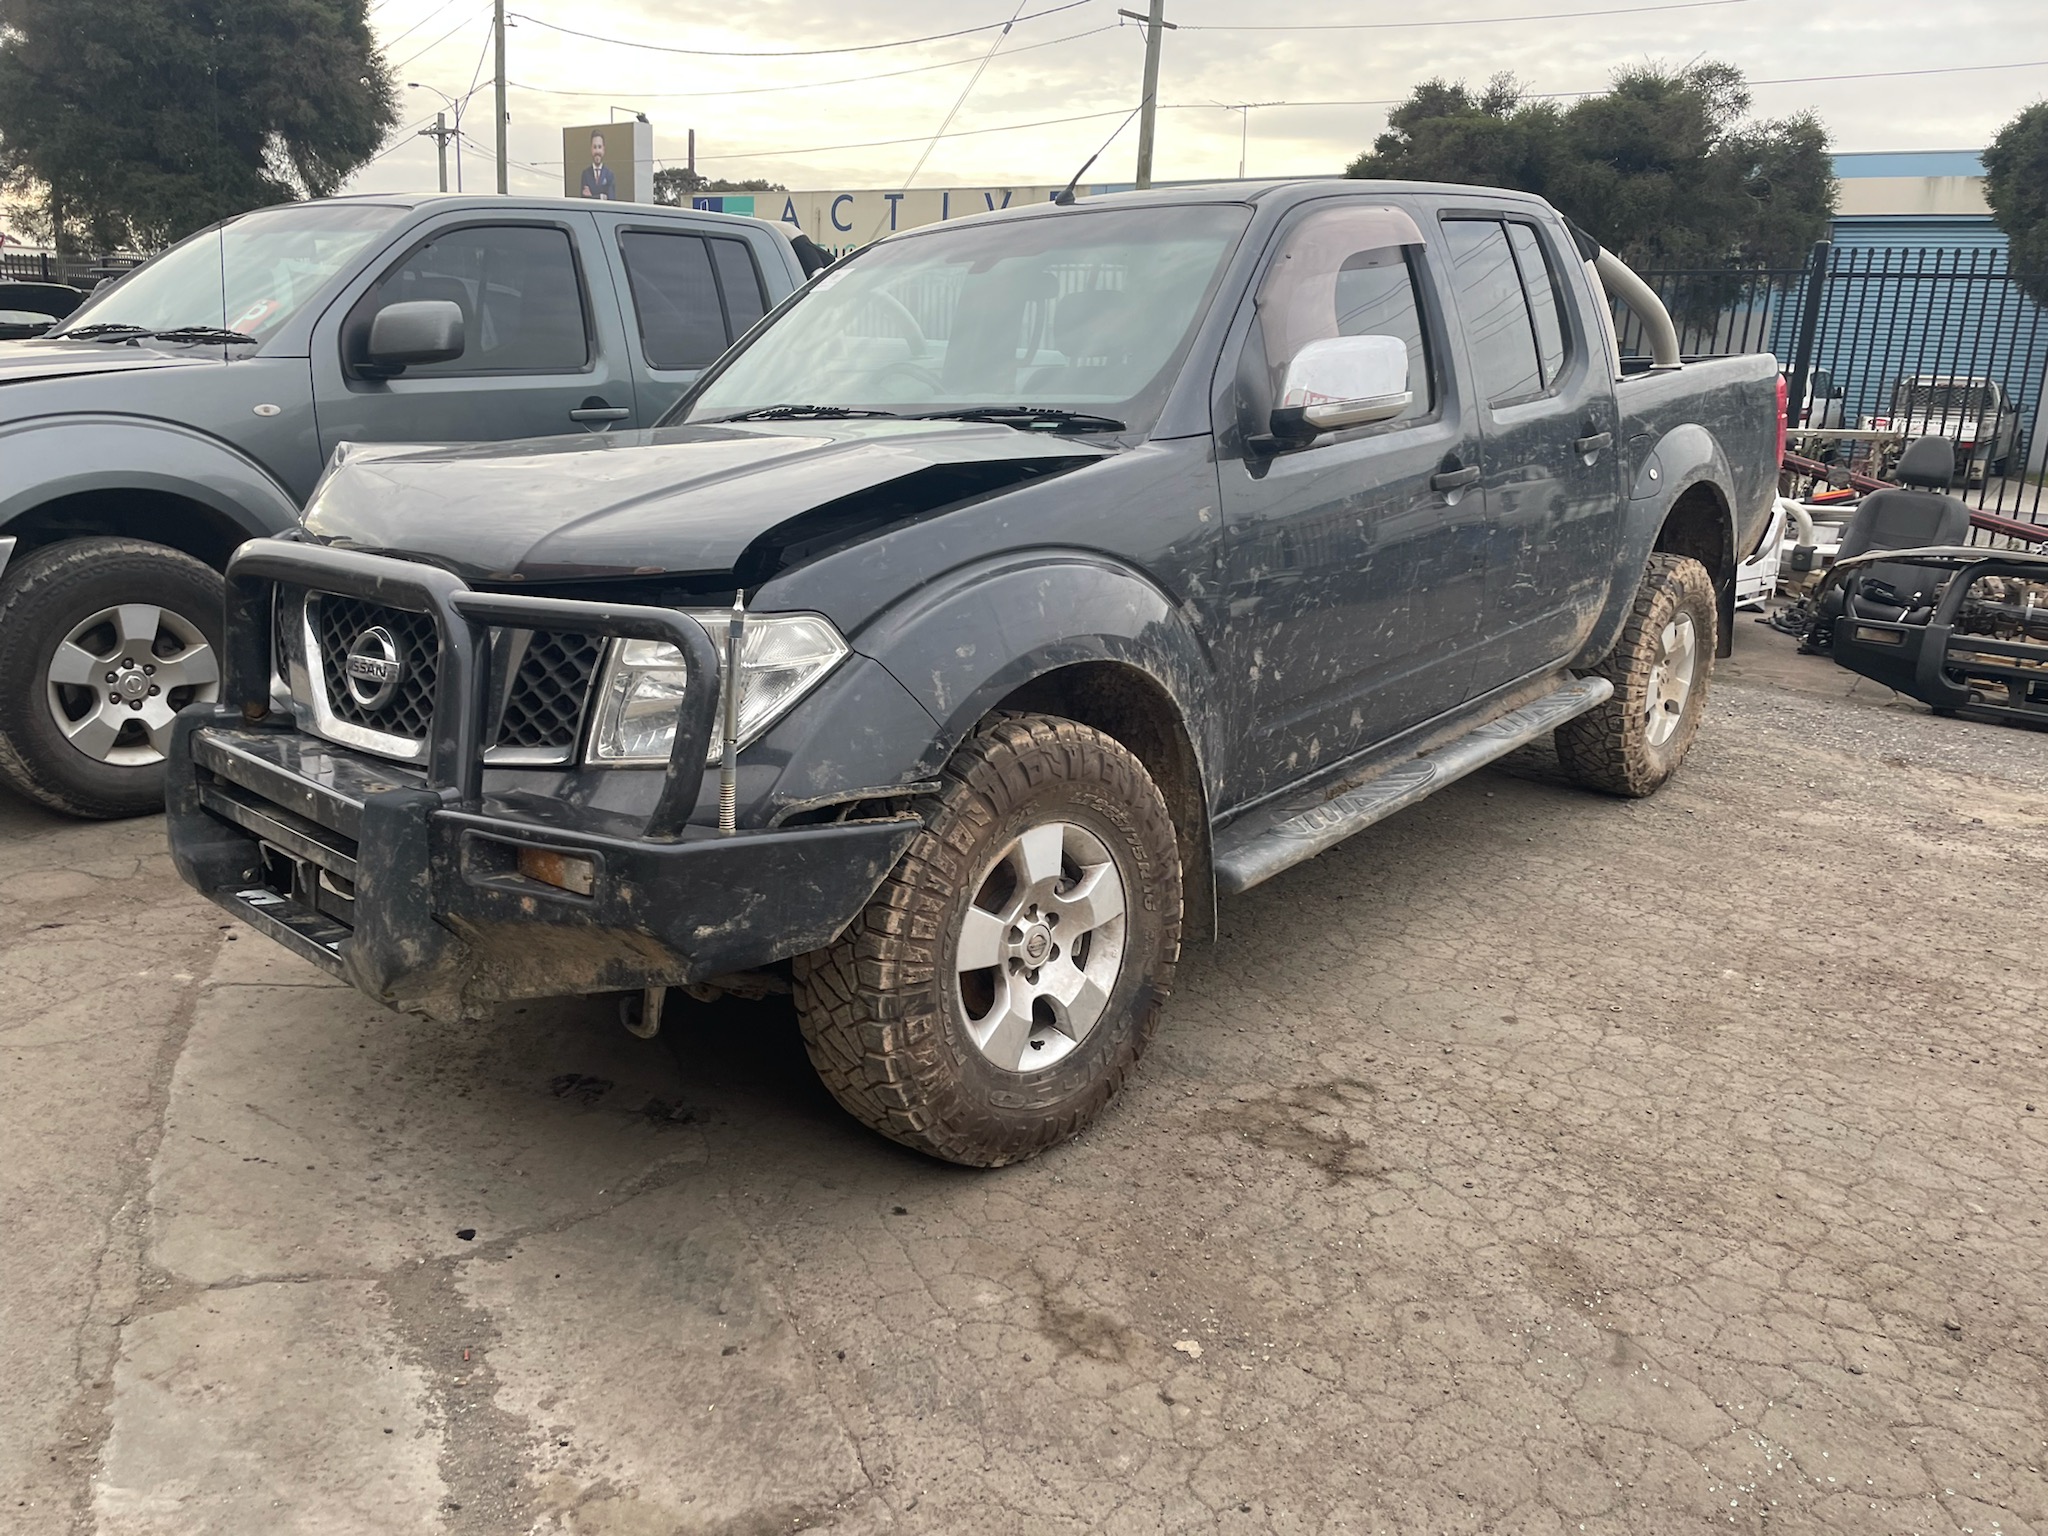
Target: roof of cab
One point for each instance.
(491, 202)
(1287, 191)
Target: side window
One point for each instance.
(1498, 330)
(745, 299)
(1539, 282)
(1346, 272)
(519, 292)
(675, 298)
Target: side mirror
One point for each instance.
(419, 331)
(1341, 381)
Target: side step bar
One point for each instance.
(1309, 831)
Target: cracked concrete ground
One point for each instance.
(1535, 1162)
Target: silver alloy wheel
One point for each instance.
(1671, 677)
(1041, 947)
(119, 678)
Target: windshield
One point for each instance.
(250, 275)
(1089, 310)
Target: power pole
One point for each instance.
(503, 169)
(440, 133)
(1155, 25)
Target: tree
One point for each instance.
(675, 186)
(1665, 167)
(134, 122)
(2016, 186)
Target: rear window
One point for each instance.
(1512, 304)
(692, 294)
(1959, 399)
(1499, 332)
(675, 299)
(1539, 282)
(739, 281)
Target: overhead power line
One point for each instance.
(433, 15)
(1206, 106)
(811, 85)
(960, 101)
(1893, 74)
(1860, 74)
(958, 133)
(437, 42)
(1450, 21)
(806, 53)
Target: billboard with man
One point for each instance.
(609, 162)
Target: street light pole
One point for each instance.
(1155, 25)
(1244, 111)
(498, 20)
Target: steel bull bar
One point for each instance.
(411, 882)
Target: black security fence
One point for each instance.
(1887, 344)
(20, 266)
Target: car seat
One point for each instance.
(1917, 512)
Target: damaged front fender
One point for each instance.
(963, 647)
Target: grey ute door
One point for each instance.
(544, 349)
(1354, 569)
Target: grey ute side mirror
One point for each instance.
(415, 332)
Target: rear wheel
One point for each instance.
(1635, 741)
(102, 642)
(1005, 979)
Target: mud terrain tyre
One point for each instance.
(1001, 984)
(1635, 741)
(102, 641)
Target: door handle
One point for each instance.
(1592, 444)
(589, 413)
(1454, 479)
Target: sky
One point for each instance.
(1067, 60)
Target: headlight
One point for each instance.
(641, 699)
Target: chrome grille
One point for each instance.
(338, 622)
(541, 718)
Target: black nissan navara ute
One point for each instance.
(1014, 591)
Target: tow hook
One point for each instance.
(642, 1015)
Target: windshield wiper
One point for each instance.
(1029, 418)
(201, 336)
(798, 413)
(189, 335)
(104, 331)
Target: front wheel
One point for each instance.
(999, 987)
(1635, 741)
(102, 642)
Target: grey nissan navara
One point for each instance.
(193, 403)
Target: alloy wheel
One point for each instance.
(119, 678)
(1041, 946)
(1671, 677)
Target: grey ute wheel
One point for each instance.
(116, 682)
(1004, 980)
(102, 642)
(1659, 667)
